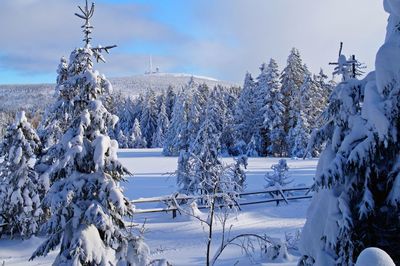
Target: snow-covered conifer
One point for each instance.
(122, 140)
(85, 200)
(273, 112)
(162, 127)
(20, 208)
(356, 203)
(206, 148)
(245, 109)
(292, 78)
(301, 135)
(228, 130)
(306, 117)
(251, 149)
(177, 135)
(136, 139)
(169, 102)
(148, 119)
(238, 173)
(198, 102)
(263, 103)
(57, 117)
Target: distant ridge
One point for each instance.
(26, 96)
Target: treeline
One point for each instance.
(271, 115)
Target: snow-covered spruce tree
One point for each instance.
(244, 112)
(273, 112)
(199, 95)
(85, 199)
(185, 178)
(206, 148)
(356, 203)
(238, 173)
(321, 96)
(251, 149)
(292, 78)
(162, 127)
(301, 133)
(122, 140)
(20, 209)
(177, 135)
(263, 104)
(124, 126)
(148, 120)
(58, 116)
(228, 130)
(169, 101)
(280, 177)
(305, 116)
(136, 139)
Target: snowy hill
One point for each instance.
(14, 97)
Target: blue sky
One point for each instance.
(218, 38)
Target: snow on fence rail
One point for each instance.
(277, 195)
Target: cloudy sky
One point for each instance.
(218, 38)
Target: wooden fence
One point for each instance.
(276, 195)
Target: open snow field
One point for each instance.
(182, 241)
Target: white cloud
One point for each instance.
(260, 29)
(36, 33)
(233, 36)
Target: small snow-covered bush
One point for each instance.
(280, 176)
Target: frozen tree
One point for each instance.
(301, 133)
(177, 135)
(306, 115)
(57, 117)
(148, 120)
(228, 130)
(127, 113)
(136, 139)
(280, 177)
(206, 147)
(263, 95)
(356, 203)
(169, 102)
(292, 79)
(162, 127)
(185, 178)
(20, 208)
(198, 102)
(238, 173)
(273, 112)
(245, 110)
(251, 149)
(122, 140)
(321, 97)
(85, 200)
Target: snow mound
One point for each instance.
(374, 257)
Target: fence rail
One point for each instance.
(277, 195)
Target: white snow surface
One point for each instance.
(182, 241)
(374, 257)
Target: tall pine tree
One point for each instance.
(20, 208)
(85, 199)
(356, 204)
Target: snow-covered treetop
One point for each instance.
(20, 141)
(86, 14)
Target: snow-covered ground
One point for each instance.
(182, 240)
